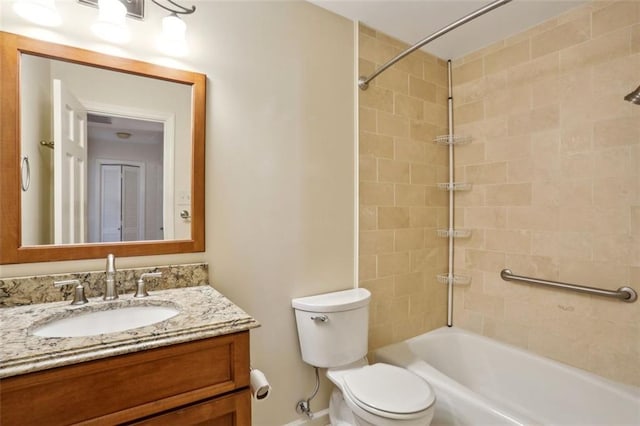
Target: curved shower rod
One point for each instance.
(363, 82)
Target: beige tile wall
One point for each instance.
(400, 207)
(555, 167)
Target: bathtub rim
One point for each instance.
(627, 389)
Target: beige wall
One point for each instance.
(400, 207)
(280, 158)
(555, 168)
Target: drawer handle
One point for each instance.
(321, 318)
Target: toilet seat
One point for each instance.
(388, 391)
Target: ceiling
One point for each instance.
(106, 128)
(411, 21)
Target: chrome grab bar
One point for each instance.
(625, 294)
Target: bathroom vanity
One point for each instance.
(190, 369)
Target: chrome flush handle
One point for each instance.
(321, 318)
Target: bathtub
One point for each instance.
(479, 381)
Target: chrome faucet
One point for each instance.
(110, 290)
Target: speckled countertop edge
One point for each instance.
(204, 313)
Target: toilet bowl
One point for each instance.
(332, 330)
(379, 395)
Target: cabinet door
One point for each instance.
(230, 410)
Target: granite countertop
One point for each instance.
(204, 312)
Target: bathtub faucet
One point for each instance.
(110, 290)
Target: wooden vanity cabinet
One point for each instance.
(204, 382)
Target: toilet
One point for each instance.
(332, 330)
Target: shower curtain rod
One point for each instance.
(363, 82)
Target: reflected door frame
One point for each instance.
(168, 154)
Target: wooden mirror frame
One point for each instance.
(11, 249)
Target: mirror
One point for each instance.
(90, 146)
(112, 162)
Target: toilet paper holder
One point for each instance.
(260, 387)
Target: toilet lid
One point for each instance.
(389, 389)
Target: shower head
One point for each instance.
(634, 96)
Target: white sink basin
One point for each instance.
(103, 322)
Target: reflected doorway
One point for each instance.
(125, 173)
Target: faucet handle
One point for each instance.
(141, 290)
(78, 295)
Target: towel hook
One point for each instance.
(25, 173)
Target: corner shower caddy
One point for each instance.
(451, 233)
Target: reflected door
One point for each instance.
(110, 205)
(132, 219)
(70, 166)
(121, 203)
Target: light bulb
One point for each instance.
(111, 25)
(172, 41)
(41, 12)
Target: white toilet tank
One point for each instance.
(333, 327)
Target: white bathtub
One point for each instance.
(479, 381)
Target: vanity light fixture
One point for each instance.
(172, 40)
(111, 25)
(40, 12)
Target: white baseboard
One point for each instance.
(320, 418)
